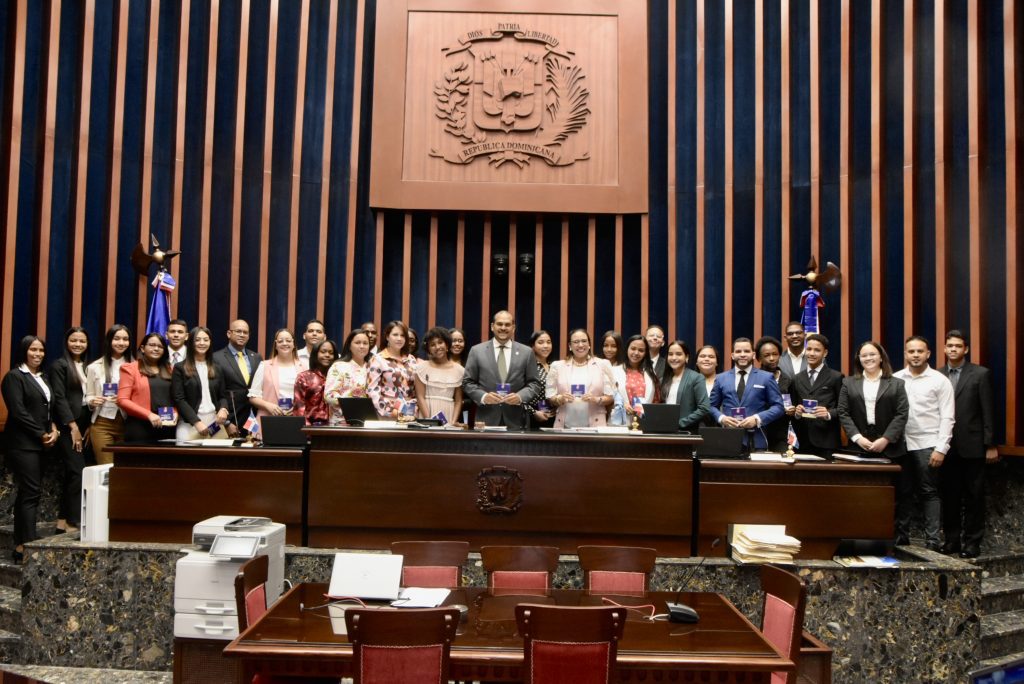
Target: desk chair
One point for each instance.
(431, 563)
(785, 598)
(412, 645)
(519, 567)
(569, 644)
(616, 568)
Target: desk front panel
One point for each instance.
(367, 490)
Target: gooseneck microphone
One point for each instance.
(678, 611)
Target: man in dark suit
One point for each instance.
(747, 388)
(973, 445)
(793, 361)
(501, 360)
(655, 337)
(817, 429)
(768, 350)
(238, 365)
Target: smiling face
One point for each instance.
(635, 353)
(284, 343)
(676, 358)
(742, 355)
(458, 343)
(325, 356)
(176, 335)
(238, 334)
(579, 345)
(870, 359)
(610, 349)
(542, 347)
(707, 361)
(438, 350)
(396, 341)
(795, 337)
(314, 334)
(503, 327)
(815, 352)
(201, 344)
(153, 348)
(119, 344)
(78, 342)
(35, 355)
(655, 339)
(360, 347)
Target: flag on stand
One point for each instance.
(160, 308)
(252, 426)
(791, 439)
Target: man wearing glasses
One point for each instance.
(793, 360)
(238, 365)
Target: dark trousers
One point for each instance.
(963, 499)
(27, 468)
(916, 476)
(71, 464)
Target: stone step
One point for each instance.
(80, 675)
(10, 609)
(1002, 633)
(43, 529)
(10, 573)
(1002, 594)
(1000, 661)
(10, 647)
(1002, 563)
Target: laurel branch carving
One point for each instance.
(452, 93)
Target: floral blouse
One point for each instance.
(344, 379)
(309, 398)
(391, 384)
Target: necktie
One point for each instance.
(813, 373)
(502, 363)
(243, 366)
(954, 376)
(742, 386)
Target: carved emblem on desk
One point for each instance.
(501, 490)
(511, 93)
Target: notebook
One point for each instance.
(366, 576)
(283, 431)
(720, 443)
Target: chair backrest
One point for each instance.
(431, 563)
(251, 591)
(569, 644)
(785, 598)
(409, 645)
(519, 567)
(616, 568)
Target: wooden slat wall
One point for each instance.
(596, 272)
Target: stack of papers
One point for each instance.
(860, 459)
(867, 561)
(762, 544)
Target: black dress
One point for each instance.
(139, 430)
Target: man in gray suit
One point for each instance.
(501, 360)
(793, 360)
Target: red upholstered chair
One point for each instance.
(785, 598)
(519, 567)
(431, 563)
(569, 644)
(412, 645)
(611, 569)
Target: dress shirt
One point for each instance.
(796, 359)
(206, 404)
(508, 351)
(930, 423)
(38, 377)
(175, 356)
(235, 351)
(745, 376)
(303, 353)
(285, 382)
(80, 371)
(673, 389)
(871, 397)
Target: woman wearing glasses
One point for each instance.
(144, 392)
(581, 386)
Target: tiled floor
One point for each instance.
(82, 675)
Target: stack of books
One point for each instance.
(762, 544)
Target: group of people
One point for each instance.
(174, 386)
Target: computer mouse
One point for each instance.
(680, 612)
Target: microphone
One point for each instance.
(678, 611)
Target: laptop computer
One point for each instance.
(358, 410)
(660, 419)
(366, 576)
(720, 443)
(283, 431)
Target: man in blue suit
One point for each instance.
(745, 387)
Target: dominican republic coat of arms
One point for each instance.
(511, 94)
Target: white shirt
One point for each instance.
(80, 371)
(673, 390)
(285, 382)
(797, 359)
(176, 356)
(304, 354)
(930, 424)
(38, 377)
(746, 378)
(206, 404)
(94, 381)
(508, 351)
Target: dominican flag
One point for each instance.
(160, 308)
(252, 426)
(791, 439)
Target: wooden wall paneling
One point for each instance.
(378, 267)
(76, 286)
(759, 253)
(699, 190)
(645, 263)
(485, 281)
(237, 179)
(432, 273)
(592, 273)
(974, 181)
(406, 265)
(268, 167)
(116, 157)
(210, 111)
(908, 167)
(538, 270)
(353, 174)
(729, 189)
(181, 104)
(845, 181)
(563, 312)
(785, 180)
(152, 41)
(670, 196)
(1011, 67)
(940, 171)
(300, 106)
(46, 199)
(814, 89)
(460, 260)
(878, 294)
(513, 266)
(325, 174)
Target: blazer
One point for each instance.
(817, 432)
(28, 411)
(777, 432)
(482, 377)
(692, 398)
(599, 372)
(761, 398)
(68, 392)
(974, 429)
(786, 364)
(659, 365)
(891, 411)
(236, 389)
(133, 392)
(187, 392)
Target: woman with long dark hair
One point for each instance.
(70, 411)
(581, 386)
(684, 387)
(273, 384)
(197, 386)
(538, 408)
(873, 405)
(348, 376)
(144, 393)
(390, 378)
(636, 378)
(458, 350)
(309, 385)
(101, 380)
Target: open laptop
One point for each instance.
(720, 442)
(283, 431)
(358, 410)
(660, 419)
(366, 576)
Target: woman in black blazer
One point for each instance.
(873, 377)
(73, 416)
(201, 412)
(29, 430)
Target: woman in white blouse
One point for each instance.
(102, 377)
(873, 406)
(197, 387)
(581, 386)
(348, 377)
(273, 384)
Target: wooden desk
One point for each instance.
(289, 641)
(158, 492)
(368, 488)
(819, 503)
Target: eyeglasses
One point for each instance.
(153, 345)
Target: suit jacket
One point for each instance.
(236, 389)
(786, 364)
(187, 392)
(692, 398)
(28, 411)
(974, 429)
(891, 411)
(761, 398)
(817, 432)
(482, 377)
(133, 392)
(600, 374)
(659, 365)
(777, 432)
(67, 391)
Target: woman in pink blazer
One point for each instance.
(581, 386)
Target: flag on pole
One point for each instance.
(791, 439)
(160, 308)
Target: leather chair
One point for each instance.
(431, 563)
(519, 567)
(411, 645)
(612, 569)
(569, 644)
(785, 599)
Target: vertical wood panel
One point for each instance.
(974, 180)
(152, 41)
(592, 269)
(431, 274)
(1010, 67)
(785, 180)
(117, 154)
(759, 253)
(513, 267)
(236, 189)
(618, 272)
(460, 267)
(699, 190)
(179, 144)
(814, 90)
(538, 270)
(563, 313)
(353, 181)
(406, 265)
(645, 263)
(46, 204)
(325, 175)
(940, 170)
(845, 181)
(729, 188)
(908, 167)
(671, 195)
(485, 284)
(877, 294)
(268, 168)
(84, 109)
(300, 102)
(204, 234)
(378, 267)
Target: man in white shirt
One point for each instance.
(177, 336)
(793, 360)
(655, 337)
(928, 434)
(371, 331)
(313, 335)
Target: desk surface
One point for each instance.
(724, 640)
